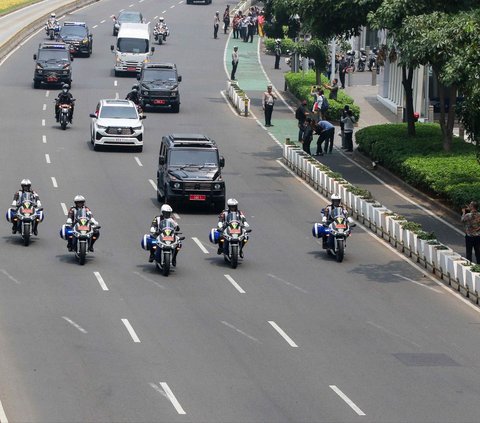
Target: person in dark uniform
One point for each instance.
(278, 53)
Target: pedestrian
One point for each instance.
(278, 53)
(317, 94)
(307, 136)
(471, 222)
(260, 23)
(216, 24)
(268, 102)
(348, 123)
(235, 25)
(252, 24)
(326, 132)
(333, 89)
(346, 108)
(234, 63)
(342, 68)
(226, 19)
(301, 115)
(243, 28)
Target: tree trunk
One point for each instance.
(318, 76)
(448, 137)
(407, 82)
(441, 89)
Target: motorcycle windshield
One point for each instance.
(27, 197)
(338, 212)
(167, 224)
(233, 217)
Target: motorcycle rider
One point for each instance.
(327, 217)
(64, 97)
(134, 95)
(26, 187)
(161, 24)
(79, 202)
(232, 207)
(165, 214)
(52, 20)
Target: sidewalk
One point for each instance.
(256, 70)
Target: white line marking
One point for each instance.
(121, 10)
(117, 96)
(155, 18)
(352, 405)
(180, 2)
(393, 333)
(131, 5)
(418, 283)
(240, 331)
(149, 22)
(138, 161)
(44, 106)
(47, 158)
(283, 334)
(172, 398)
(153, 184)
(9, 276)
(54, 182)
(140, 1)
(200, 245)
(148, 279)
(235, 284)
(164, 12)
(44, 139)
(94, 26)
(130, 330)
(176, 216)
(47, 93)
(64, 208)
(101, 281)
(115, 83)
(102, 21)
(172, 6)
(21, 44)
(43, 122)
(287, 283)
(74, 324)
(3, 416)
(230, 105)
(158, 389)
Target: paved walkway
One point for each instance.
(256, 70)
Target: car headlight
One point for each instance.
(137, 128)
(39, 66)
(102, 127)
(85, 41)
(146, 60)
(217, 186)
(177, 185)
(144, 92)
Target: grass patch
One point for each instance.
(7, 6)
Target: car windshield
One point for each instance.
(132, 17)
(132, 45)
(73, 31)
(151, 75)
(112, 112)
(53, 55)
(194, 158)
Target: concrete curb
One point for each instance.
(30, 28)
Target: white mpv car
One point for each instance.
(116, 123)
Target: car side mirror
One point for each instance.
(161, 160)
(179, 79)
(152, 50)
(34, 57)
(71, 57)
(138, 77)
(112, 48)
(143, 117)
(93, 115)
(222, 161)
(181, 238)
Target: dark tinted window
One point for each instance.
(53, 55)
(132, 45)
(73, 31)
(150, 75)
(112, 112)
(207, 158)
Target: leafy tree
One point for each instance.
(317, 50)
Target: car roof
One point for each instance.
(53, 45)
(75, 24)
(130, 12)
(134, 30)
(160, 66)
(116, 102)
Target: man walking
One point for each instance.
(216, 24)
(234, 63)
(326, 133)
(471, 221)
(278, 53)
(301, 115)
(307, 136)
(342, 69)
(348, 122)
(268, 101)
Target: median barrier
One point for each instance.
(438, 259)
(238, 98)
(31, 27)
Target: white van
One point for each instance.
(133, 47)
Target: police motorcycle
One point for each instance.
(231, 237)
(165, 245)
(161, 32)
(81, 234)
(26, 217)
(362, 60)
(52, 28)
(64, 114)
(334, 233)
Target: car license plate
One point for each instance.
(52, 79)
(159, 101)
(131, 69)
(197, 197)
(119, 139)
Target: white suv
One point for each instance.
(116, 123)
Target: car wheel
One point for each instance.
(36, 84)
(176, 108)
(140, 148)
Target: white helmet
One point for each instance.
(161, 19)
(166, 211)
(26, 183)
(232, 204)
(52, 15)
(335, 200)
(79, 199)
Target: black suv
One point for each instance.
(77, 35)
(53, 64)
(189, 170)
(159, 86)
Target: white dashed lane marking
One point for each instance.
(283, 334)
(200, 245)
(101, 281)
(94, 26)
(3, 416)
(47, 158)
(43, 122)
(64, 208)
(153, 184)
(75, 325)
(235, 284)
(54, 182)
(352, 405)
(102, 21)
(44, 107)
(138, 161)
(130, 330)
(44, 139)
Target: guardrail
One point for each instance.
(239, 98)
(30, 28)
(440, 260)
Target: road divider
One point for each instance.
(238, 98)
(404, 236)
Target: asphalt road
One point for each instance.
(289, 336)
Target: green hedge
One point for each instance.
(299, 84)
(285, 44)
(421, 161)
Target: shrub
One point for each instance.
(287, 44)
(421, 161)
(300, 84)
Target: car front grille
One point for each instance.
(112, 130)
(198, 186)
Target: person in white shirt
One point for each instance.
(234, 63)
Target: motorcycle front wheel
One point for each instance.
(340, 250)
(234, 257)
(82, 253)
(166, 265)
(26, 234)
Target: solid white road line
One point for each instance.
(235, 284)
(283, 334)
(176, 216)
(94, 26)
(130, 330)
(287, 283)
(64, 208)
(47, 93)
(44, 139)
(44, 107)
(200, 245)
(47, 158)
(54, 182)
(418, 283)
(148, 279)
(240, 331)
(3, 416)
(9, 276)
(43, 122)
(352, 405)
(153, 184)
(102, 21)
(74, 324)
(172, 398)
(101, 281)
(138, 161)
